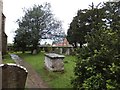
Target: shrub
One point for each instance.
(98, 64)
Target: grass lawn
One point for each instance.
(7, 59)
(53, 79)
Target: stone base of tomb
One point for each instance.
(54, 62)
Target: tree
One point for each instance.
(72, 34)
(36, 22)
(98, 64)
(86, 20)
(20, 40)
(112, 14)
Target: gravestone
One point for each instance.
(61, 50)
(13, 76)
(34, 51)
(0, 57)
(54, 62)
(67, 51)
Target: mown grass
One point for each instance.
(53, 79)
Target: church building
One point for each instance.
(3, 36)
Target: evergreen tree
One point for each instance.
(98, 64)
(36, 22)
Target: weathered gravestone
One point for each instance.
(54, 62)
(13, 76)
(34, 51)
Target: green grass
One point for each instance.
(53, 79)
(7, 59)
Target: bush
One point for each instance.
(98, 64)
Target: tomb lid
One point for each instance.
(54, 55)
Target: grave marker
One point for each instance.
(13, 76)
(54, 62)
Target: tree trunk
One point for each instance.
(76, 45)
(81, 45)
(23, 51)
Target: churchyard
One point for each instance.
(59, 79)
(87, 57)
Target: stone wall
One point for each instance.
(3, 36)
(4, 43)
(1, 11)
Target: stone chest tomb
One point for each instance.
(54, 62)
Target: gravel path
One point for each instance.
(33, 79)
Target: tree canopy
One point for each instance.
(96, 17)
(98, 63)
(34, 25)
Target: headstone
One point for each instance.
(34, 51)
(54, 62)
(13, 76)
(61, 50)
(67, 51)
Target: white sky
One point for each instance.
(64, 10)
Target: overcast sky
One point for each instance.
(64, 10)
